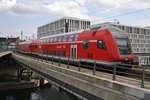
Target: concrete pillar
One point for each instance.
(41, 82)
(70, 23)
(44, 83)
(81, 24)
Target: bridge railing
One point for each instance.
(4, 50)
(140, 73)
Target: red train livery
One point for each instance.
(103, 44)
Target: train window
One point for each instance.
(50, 52)
(46, 52)
(41, 41)
(51, 40)
(101, 44)
(55, 40)
(58, 53)
(65, 39)
(86, 45)
(54, 53)
(76, 37)
(70, 38)
(46, 40)
(59, 39)
(64, 53)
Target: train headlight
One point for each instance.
(126, 59)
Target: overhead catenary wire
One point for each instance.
(128, 13)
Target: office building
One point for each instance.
(62, 25)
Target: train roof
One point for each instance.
(30, 42)
(62, 34)
(26, 42)
(114, 30)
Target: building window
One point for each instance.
(101, 44)
(148, 32)
(86, 45)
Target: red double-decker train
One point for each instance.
(104, 44)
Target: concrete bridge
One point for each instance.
(4, 53)
(9, 74)
(84, 84)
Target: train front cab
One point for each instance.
(124, 51)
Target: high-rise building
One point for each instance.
(139, 38)
(62, 25)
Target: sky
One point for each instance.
(27, 15)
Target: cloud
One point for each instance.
(143, 23)
(28, 9)
(138, 4)
(37, 7)
(106, 4)
(72, 8)
(5, 5)
(69, 8)
(97, 20)
(81, 2)
(112, 4)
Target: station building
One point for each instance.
(3, 44)
(9, 43)
(62, 25)
(139, 38)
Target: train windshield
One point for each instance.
(123, 45)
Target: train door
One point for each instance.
(40, 49)
(73, 51)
